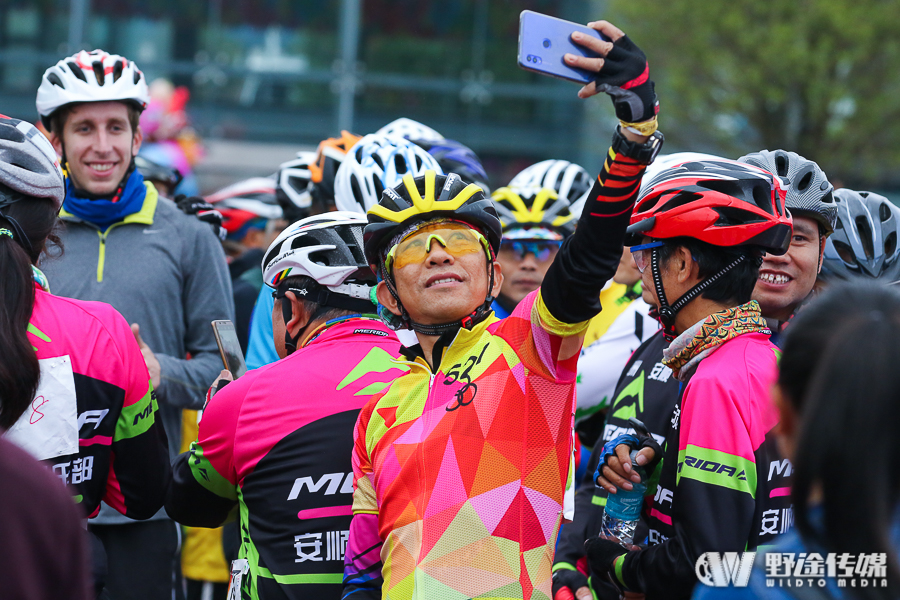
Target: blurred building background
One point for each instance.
(269, 77)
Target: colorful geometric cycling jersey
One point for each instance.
(469, 469)
(278, 442)
(93, 419)
(722, 484)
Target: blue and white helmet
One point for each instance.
(374, 163)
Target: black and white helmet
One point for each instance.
(329, 249)
(864, 242)
(570, 181)
(95, 76)
(809, 193)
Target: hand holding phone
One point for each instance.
(545, 40)
(229, 347)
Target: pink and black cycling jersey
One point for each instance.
(278, 442)
(119, 453)
(722, 484)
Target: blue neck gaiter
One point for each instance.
(103, 212)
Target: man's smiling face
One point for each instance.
(786, 280)
(99, 144)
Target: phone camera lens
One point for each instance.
(546, 43)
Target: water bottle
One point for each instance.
(623, 509)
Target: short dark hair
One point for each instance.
(734, 286)
(60, 116)
(324, 312)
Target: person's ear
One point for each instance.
(299, 315)
(386, 298)
(136, 141)
(498, 279)
(822, 240)
(684, 265)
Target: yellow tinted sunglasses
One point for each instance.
(457, 239)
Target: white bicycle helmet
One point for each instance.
(411, 130)
(90, 77)
(328, 248)
(570, 181)
(293, 188)
(374, 163)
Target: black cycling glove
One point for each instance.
(625, 76)
(602, 555)
(568, 579)
(203, 210)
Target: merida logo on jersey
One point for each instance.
(143, 414)
(721, 569)
(782, 468)
(371, 332)
(328, 483)
(711, 466)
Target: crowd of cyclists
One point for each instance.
(444, 375)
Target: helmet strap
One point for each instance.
(667, 312)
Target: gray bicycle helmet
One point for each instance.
(809, 193)
(28, 163)
(864, 243)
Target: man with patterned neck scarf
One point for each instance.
(162, 269)
(698, 234)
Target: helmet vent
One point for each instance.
(98, 72)
(805, 181)
(12, 134)
(884, 212)
(680, 199)
(890, 244)
(865, 236)
(137, 76)
(76, 71)
(781, 165)
(117, 70)
(55, 80)
(730, 215)
(845, 252)
(399, 164)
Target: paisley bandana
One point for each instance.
(701, 339)
(40, 278)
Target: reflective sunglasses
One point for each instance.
(457, 239)
(543, 250)
(641, 256)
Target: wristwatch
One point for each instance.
(643, 153)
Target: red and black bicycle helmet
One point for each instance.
(717, 201)
(721, 202)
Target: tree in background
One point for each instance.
(819, 77)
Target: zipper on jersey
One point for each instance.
(101, 256)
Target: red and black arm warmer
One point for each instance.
(590, 257)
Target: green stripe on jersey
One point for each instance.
(717, 468)
(207, 476)
(302, 577)
(138, 417)
(598, 500)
